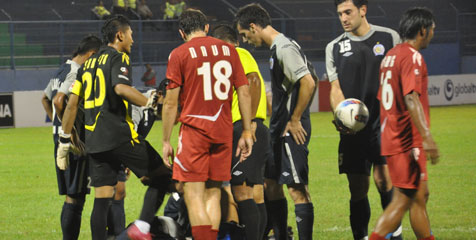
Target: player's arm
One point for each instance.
(306, 89)
(59, 102)
(64, 146)
(336, 95)
(413, 104)
(246, 142)
(255, 91)
(169, 114)
(45, 101)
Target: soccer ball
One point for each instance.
(351, 114)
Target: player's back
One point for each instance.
(107, 116)
(206, 69)
(402, 71)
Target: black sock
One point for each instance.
(99, 218)
(278, 214)
(359, 217)
(263, 219)
(71, 220)
(386, 198)
(152, 200)
(116, 219)
(249, 216)
(304, 220)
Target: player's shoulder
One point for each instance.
(331, 44)
(380, 30)
(243, 53)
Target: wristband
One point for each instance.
(246, 134)
(64, 137)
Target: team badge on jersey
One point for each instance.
(271, 63)
(379, 49)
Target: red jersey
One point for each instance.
(402, 71)
(206, 69)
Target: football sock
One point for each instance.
(278, 213)
(116, 217)
(249, 216)
(304, 219)
(263, 219)
(99, 218)
(152, 200)
(359, 217)
(386, 198)
(375, 236)
(202, 232)
(71, 220)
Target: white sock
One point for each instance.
(144, 227)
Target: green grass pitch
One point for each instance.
(30, 205)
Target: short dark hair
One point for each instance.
(87, 44)
(413, 20)
(225, 32)
(252, 13)
(112, 26)
(192, 20)
(357, 3)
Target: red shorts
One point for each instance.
(407, 169)
(198, 159)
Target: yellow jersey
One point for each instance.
(249, 65)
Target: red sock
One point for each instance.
(428, 238)
(214, 234)
(202, 232)
(375, 236)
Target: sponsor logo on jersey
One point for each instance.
(379, 49)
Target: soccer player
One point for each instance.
(405, 118)
(247, 177)
(72, 181)
(293, 84)
(104, 85)
(352, 62)
(201, 72)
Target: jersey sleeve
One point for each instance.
(248, 62)
(173, 74)
(292, 61)
(49, 90)
(411, 73)
(77, 86)
(330, 64)
(239, 77)
(120, 70)
(68, 81)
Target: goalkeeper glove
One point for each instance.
(62, 154)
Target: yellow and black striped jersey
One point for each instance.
(108, 119)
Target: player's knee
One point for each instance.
(299, 193)
(242, 193)
(273, 190)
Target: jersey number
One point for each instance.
(221, 71)
(91, 100)
(345, 46)
(387, 91)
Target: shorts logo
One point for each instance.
(347, 54)
(341, 159)
(237, 173)
(379, 49)
(286, 174)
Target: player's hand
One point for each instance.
(77, 146)
(128, 173)
(167, 154)
(254, 125)
(431, 150)
(245, 145)
(62, 154)
(152, 102)
(296, 130)
(342, 129)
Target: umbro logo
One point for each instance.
(237, 173)
(347, 54)
(298, 219)
(286, 174)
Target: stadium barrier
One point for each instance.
(452, 89)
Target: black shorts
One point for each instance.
(357, 153)
(121, 174)
(74, 180)
(251, 170)
(140, 158)
(289, 165)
